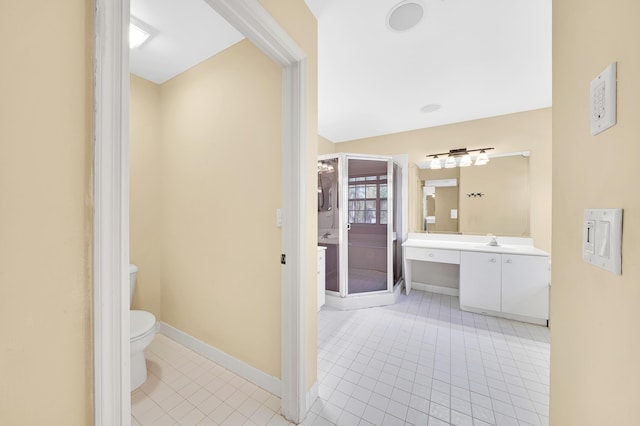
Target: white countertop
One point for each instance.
(507, 245)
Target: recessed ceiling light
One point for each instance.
(405, 15)
(430, 108)
(137, 36)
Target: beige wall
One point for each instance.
(529, 131)
(216, 191)
(595, 343)
(221, 180)
(325, 146)
(145, 193)
(45, 218)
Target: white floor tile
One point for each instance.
(421, 361)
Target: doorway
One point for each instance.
(111, 203)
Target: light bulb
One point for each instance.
(482, 159)
(465, 161)
(435, 163)
(450, 163)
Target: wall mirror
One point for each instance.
(478, 200)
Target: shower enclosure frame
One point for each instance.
(343, 299)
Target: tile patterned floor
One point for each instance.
(184, 388)
(420, 362)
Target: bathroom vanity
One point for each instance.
(510, 280)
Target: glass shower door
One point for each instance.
(369, 225)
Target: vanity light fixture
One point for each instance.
(435, 163)
(482, 158)
(325, 167)
(450, 163)
(465, 161)
(465, 158)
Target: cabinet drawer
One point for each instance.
(432, 255)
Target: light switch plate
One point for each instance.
(602, 239)
(603, 100)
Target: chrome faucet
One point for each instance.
(493, 242)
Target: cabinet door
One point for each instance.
(525, 285)
(480, 278)
(321, 278)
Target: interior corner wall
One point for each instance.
(221, 168)
(145, 193)
(46, 107)
(325, 146)
(523, 131)
(595, 343)
(298, 21)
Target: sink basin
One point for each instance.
(329, 239)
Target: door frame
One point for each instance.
(111, 363)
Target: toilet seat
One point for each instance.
(142, 324)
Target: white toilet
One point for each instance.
(143, 330)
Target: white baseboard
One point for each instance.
(449, 291)
(365, 300)
(241, 368)
(312, 395)
(530, 320)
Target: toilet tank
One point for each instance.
(133, 270)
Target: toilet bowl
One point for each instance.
(143, 330)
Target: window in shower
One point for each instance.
(368, 199)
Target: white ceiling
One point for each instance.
(183, 34)
(475, 58)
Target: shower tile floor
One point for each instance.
(421, 362)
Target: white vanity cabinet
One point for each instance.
(480, 280)
(505, 283)
(510, 280)
(321, 275)
(525, 285)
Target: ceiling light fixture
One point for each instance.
(465, 158)
(137, 36)
(405, 15)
